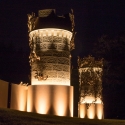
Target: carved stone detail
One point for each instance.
(50, 57)
(90, 78)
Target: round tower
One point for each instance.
(50, 42)
(51, 37)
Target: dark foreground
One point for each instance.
(13, 117)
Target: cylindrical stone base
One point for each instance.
(50, 99)
(91, 111)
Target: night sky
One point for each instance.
(92, 20)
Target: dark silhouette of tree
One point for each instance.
(113, 52)
(14, 64)
(112, 49)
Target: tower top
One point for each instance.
(45, 12)
(48, 18)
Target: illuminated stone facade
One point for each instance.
(90, 78)
(50, 48)
(50, 99)
(51, 38)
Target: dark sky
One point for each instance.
(93, 18)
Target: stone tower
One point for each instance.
(51, 38)
(90, 77)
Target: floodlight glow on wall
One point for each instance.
(52, 48)
(51, 38)
(90, 78)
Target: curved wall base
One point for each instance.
(90, 111)
(50, 99)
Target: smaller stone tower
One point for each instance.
(90, 77)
